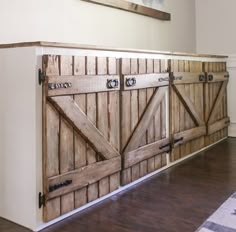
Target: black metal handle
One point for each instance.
(112, 83)
(59, 185)
(178, 140)
(163, 79)
(201, 77)
(210, 77)
(164, 146)
(130, 81)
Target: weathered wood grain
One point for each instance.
(82, 84)
(84, 176)
(145, 152)
(189, 105)
(67, 106)
(145, 120)
(146, 80)
(218, 125)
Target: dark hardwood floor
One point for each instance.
(178, 199)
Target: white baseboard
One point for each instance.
(44, 225)
(232, 130)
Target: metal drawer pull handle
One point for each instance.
(59, 185)
(210, 77)
(131, 81)
(163, 79)
(178, 140)
(164, 146)
(201, 77)
(112, 83)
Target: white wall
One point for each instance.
(215, 23)
(81, 22)
(18, 135)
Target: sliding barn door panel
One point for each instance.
(144, 141)
(187, 125)
(216, 115)
(81, 131)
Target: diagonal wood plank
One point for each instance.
(218, 125)
(84, 176)
(180, 91)
(145, 152)
(218, 100)
(189, 135)
(145, 120)
(68, 107)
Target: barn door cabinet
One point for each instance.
(84, 122)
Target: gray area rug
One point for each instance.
(223, 219)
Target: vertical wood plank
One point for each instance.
(102, 118)
(66, 141)
(151, 133)
(134, 114)
(66, 162)
(197, 67)
(212, 95)
(79, 143)
(92, 116)
(53, 207)
(125, 119)
(114, 122)
(142, 98)
(206, 102)
(157, 119)
(187, 124)
(182, 114)
(175, 110)
(194, 143)
(164, 68)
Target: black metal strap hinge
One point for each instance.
(42, 200)
(41, 76)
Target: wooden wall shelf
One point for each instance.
(135, 8)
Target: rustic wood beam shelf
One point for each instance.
(135, 8)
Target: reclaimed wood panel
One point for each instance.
(216, 103)
(187, 107)
(81, 171)
(80, 145)
(144, 126)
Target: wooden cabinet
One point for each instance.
(104, 129)
(81, 131)
(144, 135)
(216, 115)
(187, 107)
(110, 117)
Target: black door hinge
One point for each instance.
(41, 76)
(42, 200)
